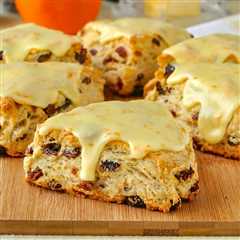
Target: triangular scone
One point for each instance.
(207, 97)
(126, 152)
(126, 49)
(31, 92)
(33, 43)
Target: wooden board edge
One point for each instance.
(120, 228)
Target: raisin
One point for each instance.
(160, 89)
(1, 55)
(109, 166)
(121, 51)
(44, 57)
(138, 91)
(51, 148)
(50, 109)
(156, 41)
(233, 140)
(93, 52)
(169, 70)
(66, 104)
(194, 187)
(72, 152)
(138, 53)
(173, 113)
(140, 77)
(175, 205)
(29, 150)
(86, 80)
(195, 116)
(191, 35)
(185, 174)
(81, 55)
(134, 201)
(74, 171)
(118, 86)
(54, 185)
(109, 60)
(169, 89)
(86, 185)
(35, 174)
(3, 151)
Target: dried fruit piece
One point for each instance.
(44, 57)
(194, 187)
(185, 174)
(81, 55)
(121, 51)
(134, 201)
(109, 166)
(93, 52)
(140, 76)
(1, 55)
(156, 41)
(66, 104)
(138, 53)
(3, 151)
(86, 80)
(35, 174)
(54, 185)
(169, 70)
(160, 89)
(86, 185)
(29, 150)
(195, 116)
(175, 205)
(72, 152)
(51, 148)
(109, 60)
(74, 171)
(173, 113)
(50, 109)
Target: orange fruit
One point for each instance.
(66, 15)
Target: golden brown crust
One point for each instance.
(160, 181)
(18, 125)
(220, 149)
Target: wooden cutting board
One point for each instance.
(25, 209)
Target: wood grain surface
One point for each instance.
(25, 209)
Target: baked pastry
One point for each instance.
(33, 43)
(215, 48)
(126, 152)
(126, 49)
(206, 97)
(31, 92)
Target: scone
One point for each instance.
(33, 43)
(215, 48)
(125, 152)
(31, 92)
(206, 97)
(126, 49)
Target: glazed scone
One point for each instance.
(33, 43)
(215, 48)
(126, 49)
(206, 97)
(126, 152)
(31, 92)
